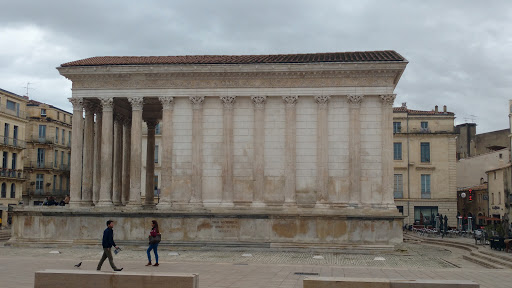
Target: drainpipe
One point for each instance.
(408, 177)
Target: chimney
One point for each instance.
(404, 104)
(437, 109)
(444, 108)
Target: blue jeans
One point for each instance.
(153, 247)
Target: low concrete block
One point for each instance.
(340, 282)
(123, 279)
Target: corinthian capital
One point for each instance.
(136, 102)
(107, 103)
(322, 100)
(259, 101)
(355, 99)
(388, 99)
(228, 101)
(197, 101)
(78, 103)
(166, 102)
(290, 100)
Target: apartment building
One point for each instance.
(12, 144)
(48, 153)
(424, 153)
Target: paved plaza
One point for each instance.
(260, 268)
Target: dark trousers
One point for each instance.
(107, 253)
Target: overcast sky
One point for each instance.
(459, 52)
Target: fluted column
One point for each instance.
(354, 148)
(125, 194)
(167, 141)
(76, 153)
(290, 149)
(118, 160)
(150, 165)
(88, 154)
(259, 150)
(197, 149)
(322, 155)
(107, 137)
(97, 156)
(227, 167)
(386, 196)
(136, 152)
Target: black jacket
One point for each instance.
(108, 238)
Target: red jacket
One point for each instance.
(153, 232)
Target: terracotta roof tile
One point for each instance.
(419, 112)
(367, 56)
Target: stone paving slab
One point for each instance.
(222, 269)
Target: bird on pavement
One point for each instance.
(78, 265)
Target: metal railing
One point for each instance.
(47, 192)
(11, 173)
(40, 165)
(20, 114)
(12, 142)
(42, 140)
(64, 167)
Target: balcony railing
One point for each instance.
(47, 192)
(40, 165)
(20, 114)
(11, 173)
(42, 140)
(6, 141)
(64, 167)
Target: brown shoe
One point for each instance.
(156, 264)
(149, 264)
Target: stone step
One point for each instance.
(491, 259)
(481, 262)
(502, 257)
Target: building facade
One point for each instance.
(281, 149)
(499, 187)
(12, 144)
(424, 164)
(48, 153)
(470, 144)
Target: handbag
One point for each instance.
(155, 240)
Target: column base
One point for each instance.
(75, 204)
(86, 203)
(104, 203)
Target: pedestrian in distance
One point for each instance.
(154, 239)
(108, 243)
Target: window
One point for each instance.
(424, 125)
(13, 190)
(60, 183)
(157, 129)
(155, 183)
(39, 182)
(397, 127)
(4, 160)
(63, 135)
(11, 105)
(400, 209)
(499, 198)
(425, 152)
(425, 215)
(55, 158)
(156, 153)
(54, 182)
(397, 151)
(6, 133)
(399, 186)
(492, 199)
(40, 157)
(15, 135)
(42, 132)
(58, 115)
(69, 159)
(56, 135)
(61, 158)
(43, 112)
(69, 138)
(14, 160)
(425, 186)
(4, 190)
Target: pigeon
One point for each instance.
(78, 265)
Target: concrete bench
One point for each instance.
(340, 282)
(97, 279)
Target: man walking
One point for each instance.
(108, 242)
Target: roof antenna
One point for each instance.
(27, 87)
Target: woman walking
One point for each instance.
(154, 239)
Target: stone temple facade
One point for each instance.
(268, 150)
